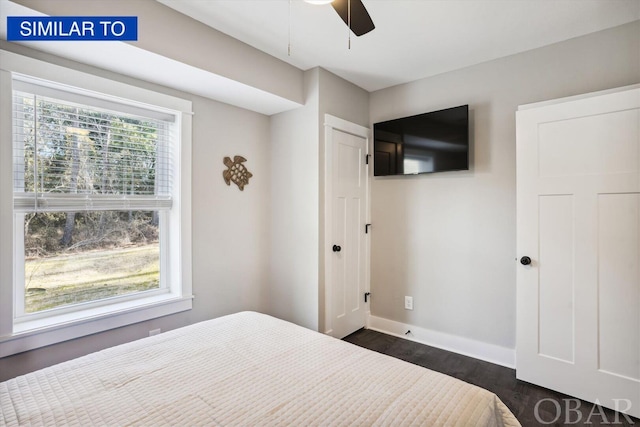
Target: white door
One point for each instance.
(578, 204)
(346, 253)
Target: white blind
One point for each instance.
(75, 152)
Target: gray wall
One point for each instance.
(230, 227)
(449, 239)
(294, 210)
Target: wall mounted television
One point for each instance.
(431, 142)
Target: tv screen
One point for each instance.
(425, 143)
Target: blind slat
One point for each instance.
(28, 202)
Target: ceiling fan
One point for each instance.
(352, 12)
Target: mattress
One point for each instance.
(246, 369)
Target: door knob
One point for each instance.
(525, 260)
(336, 248)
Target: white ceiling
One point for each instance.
(413, 38)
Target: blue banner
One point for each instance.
(60, 28)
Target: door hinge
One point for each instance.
(366, 296)
(366, 158)
(366, 228)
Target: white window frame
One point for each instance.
(33, 331)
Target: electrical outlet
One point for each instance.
(154, 332)
(408, 303)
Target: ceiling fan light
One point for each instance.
(318, 2)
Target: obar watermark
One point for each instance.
(575, 411)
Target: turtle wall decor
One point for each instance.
(236, 172)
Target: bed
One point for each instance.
(245, 369)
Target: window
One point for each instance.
(98, 209)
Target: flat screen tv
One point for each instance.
(425, 143)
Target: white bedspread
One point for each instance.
(247, 369)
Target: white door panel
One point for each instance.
(578, 203)
(618, 277)
(557, 277)
(612, 147)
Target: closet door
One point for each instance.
(578, 242)
(346, 238)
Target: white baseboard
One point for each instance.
(479, 350)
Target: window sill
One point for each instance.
(32, 334)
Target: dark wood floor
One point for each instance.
(520, 397)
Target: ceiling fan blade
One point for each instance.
(361, 22)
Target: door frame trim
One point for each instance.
(335, 123)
